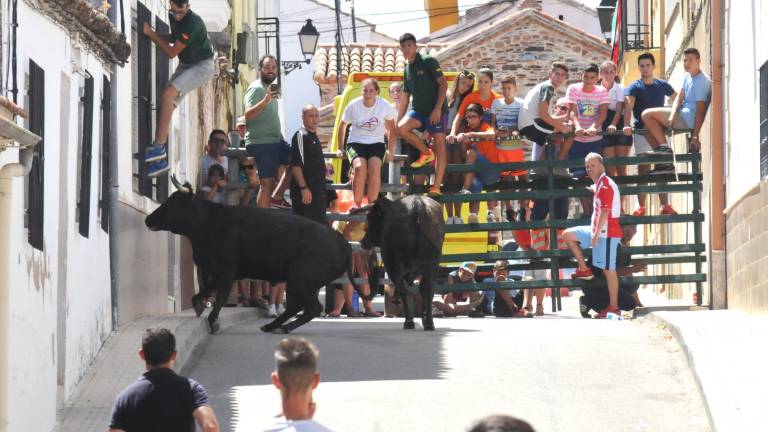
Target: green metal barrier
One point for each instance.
(551, 188)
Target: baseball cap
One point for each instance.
(240, 121)
(564, 101)
(469, 266)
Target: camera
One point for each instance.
(275, 88)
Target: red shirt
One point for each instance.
(607, 199)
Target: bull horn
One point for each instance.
(178, 184)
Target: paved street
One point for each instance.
(561, 373)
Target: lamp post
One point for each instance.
(308, 36)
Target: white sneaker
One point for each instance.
(280, 309)
(472, 218)
(490, 217)
(464, 192)
(272, 311)
(449, 220)
(457, 220)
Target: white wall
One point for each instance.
(585, 20)
(299, 88)
(746, 50)
(39, 326)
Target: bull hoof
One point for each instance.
(215, 327)
(198, 306)
(409, 325)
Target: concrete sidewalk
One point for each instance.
(118, 364)
(727, 351)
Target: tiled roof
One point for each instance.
(12, 107)
(378, 57)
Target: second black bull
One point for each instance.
(231, 243)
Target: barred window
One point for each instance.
(35, 203)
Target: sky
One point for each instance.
(394, 17)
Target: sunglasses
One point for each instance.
(246, 167)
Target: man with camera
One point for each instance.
(263, 138)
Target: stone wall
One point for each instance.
(525, 48)
(747, 251)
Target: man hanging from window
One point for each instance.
(191, 44)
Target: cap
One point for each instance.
(240, 121)
(469, 266)
(564, 101)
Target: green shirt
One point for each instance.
(191, 32)
(265, 128)
(420, 78)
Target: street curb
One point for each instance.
(674, 329)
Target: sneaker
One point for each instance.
(434, 191)
(490, 217)
(583, 308)
(667, 209)
(280, 309)
(272, 311)
(472, 218)
(604, 313)
(155, 153)
(160, 167)
(424, 159)
(662, 150)
(279, 203)
(458, 220)
(477, 313)
(639, 212)
(662, 169)
(449, 220)
(583, 274)
(464, 192)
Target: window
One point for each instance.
(106, 135)
(86, 156)
(764, 121)
(36, 94)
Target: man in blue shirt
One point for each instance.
(688, 111)
(646, 94)
(161, 400)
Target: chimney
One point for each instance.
(442, 13)
(530, 4)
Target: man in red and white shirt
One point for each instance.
(603, 234)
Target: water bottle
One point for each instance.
(355, 301)
(614, 317)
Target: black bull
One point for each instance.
(231, 243)
(410, 233)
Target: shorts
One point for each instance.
(269, 157)
(604, 254)
(539, 138)
(579, 150)
(482, 177)
(537, 274)
(188, 77)
(615, 140)
(641, 144)
(679, 120)
(440, 127)
(315, 210)
(505, 154)
(365, 151)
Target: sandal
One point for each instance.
(370, 313)
(539, 309)
(521, 313)
(529, 308)
(353, 314)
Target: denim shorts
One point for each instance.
(483, 178)
(269, 157)
(580, 150)
(604, 254)
(440, 127)
(188, 77)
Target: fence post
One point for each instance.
(394, 170)
(554, 265)
(696, 169)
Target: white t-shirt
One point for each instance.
(208, 161)
(218, 197)
(297, 426)
(616, 94)
(368, 123)
(506, 114)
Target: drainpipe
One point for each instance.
(718, 293)
(7, 173)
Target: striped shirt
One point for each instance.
(587, 107)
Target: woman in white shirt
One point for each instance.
(614, 145)
(370, 117)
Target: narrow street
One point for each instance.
(561, 373)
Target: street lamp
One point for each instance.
(308, 36)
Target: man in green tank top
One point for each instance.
(189, 42)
